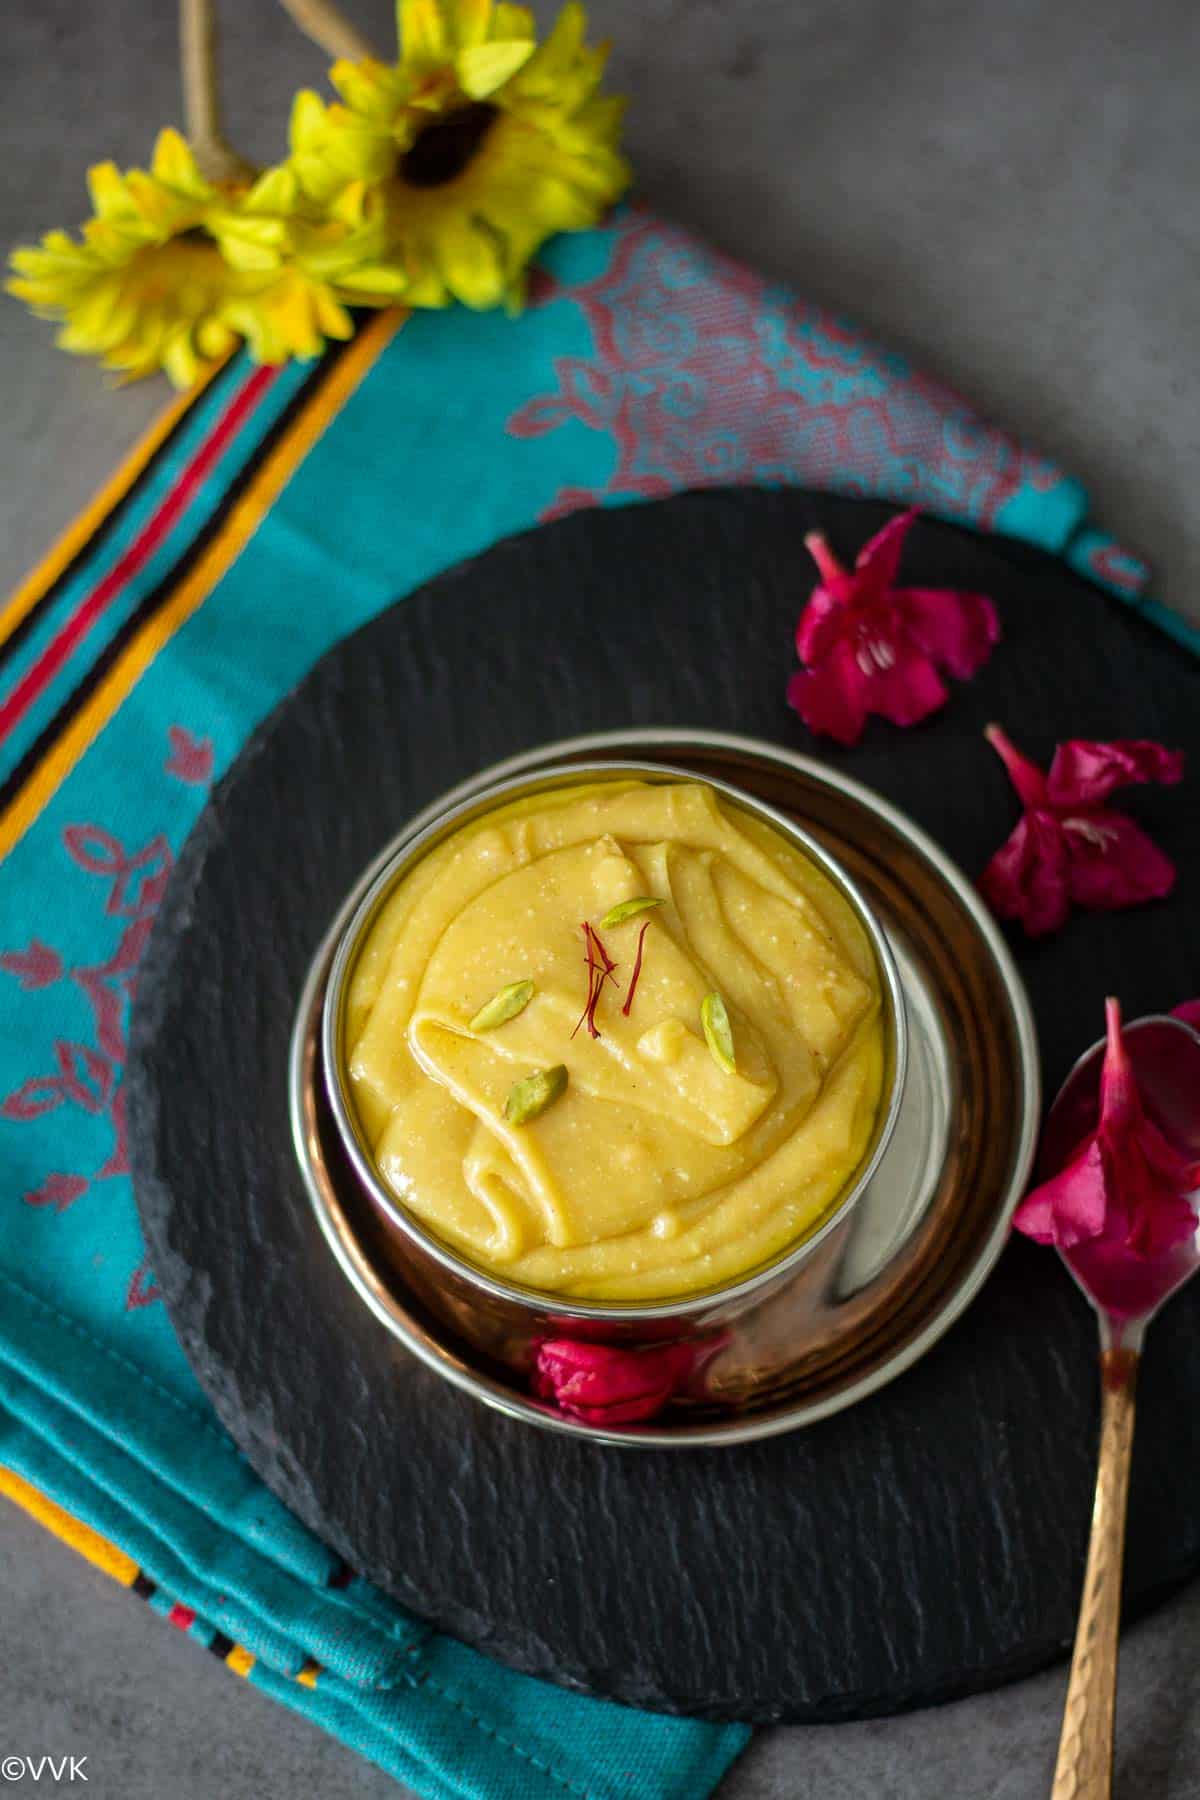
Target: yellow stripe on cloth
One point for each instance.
(73, 539)
(111, 1560)
(243, 519)
(70, 1530)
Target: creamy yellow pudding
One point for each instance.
(573, 1136)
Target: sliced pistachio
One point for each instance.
(503, 1006)
(628, 909)
(528, 1098)
(717, 1033)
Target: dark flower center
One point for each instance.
(444, 149)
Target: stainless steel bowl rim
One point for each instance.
(439, 821)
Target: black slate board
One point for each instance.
(925, 1543)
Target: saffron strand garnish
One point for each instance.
(637, 969)
(607, 961)
(600, 967)
(586, 1016)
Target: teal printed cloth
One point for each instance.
(282, 509)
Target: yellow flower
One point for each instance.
(480, 142)
(172, 270)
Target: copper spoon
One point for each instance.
(1165, 1054)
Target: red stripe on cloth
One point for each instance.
(37, 679)
(182, 1617)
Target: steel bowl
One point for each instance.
(713, 1332)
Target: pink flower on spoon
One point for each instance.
(1127, 1184)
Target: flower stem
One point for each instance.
(1116, 1076)
(1025, 776)
(817, 545)
(323, 23)
(201, 100)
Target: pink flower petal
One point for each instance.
(1027, 879)
(1189, 1012)
(1084, 773)
(832, 699)
(604, 1385)
(1113, 864)
(1154, 1230)
(1149, 1178)
(1165, 1162)
(1127, 1187)
(822, 624)
(907, 692)
(1072, 1206)
(878, 561)
(957, 630)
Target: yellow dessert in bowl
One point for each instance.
(618, 1041)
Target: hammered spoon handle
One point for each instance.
(1085, 1748)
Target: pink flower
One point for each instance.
(1189, 1012)
(1126, 1184)
(871, 647)
(1069, 848)
(605, 1386)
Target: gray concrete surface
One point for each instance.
(1006, 191)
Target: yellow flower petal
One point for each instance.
(424, 286)
(513, 21)
(353, 206)
(273, 192)
(382, 279)
(91, 322)
(106, 190)
(214, 338)
(179, 359)
(366, 87)
(160, 207)
(485, 67)
(174, 164)
(332, 317)
(565, 42)
(471, 262)
(248, 258)
(307, 119)
(469, 21)
(422, 31)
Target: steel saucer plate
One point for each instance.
(936, 1214)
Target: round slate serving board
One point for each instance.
(925, 1543)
